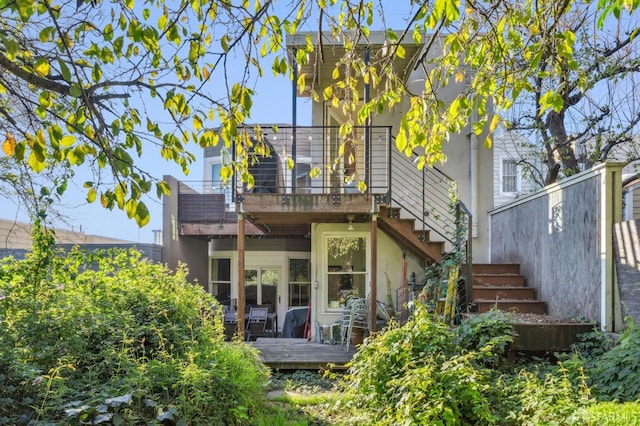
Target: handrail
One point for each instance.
(423, 195)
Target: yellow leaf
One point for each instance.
(197, 123)
(494, 123)
(9, 145)
(67, 140)
(459, 77)
(91, 195)
(103, 200)
(42, 67)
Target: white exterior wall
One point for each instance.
(510, 146)
(389, 264)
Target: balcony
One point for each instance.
(306, 174)
(330, 175)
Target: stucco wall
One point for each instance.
(178, 248)
(562, 238)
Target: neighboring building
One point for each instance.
(295, 241)
(15, 240)
(516, 167)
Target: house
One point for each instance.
(303, 238)
(16, 241)
(517, 168)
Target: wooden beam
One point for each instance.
(206, 229)
(373, 291)
(241, 275)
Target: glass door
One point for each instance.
(261, 286)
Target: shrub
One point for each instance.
(615, 373)
(416, 374)
(109, 337)
(489, 333)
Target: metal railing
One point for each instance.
(318, 160)
(424, 195)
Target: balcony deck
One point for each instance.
(300, 354)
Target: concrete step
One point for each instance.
(503, 292)
(512, 305)
(509, 280)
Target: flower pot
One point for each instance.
(357, 336)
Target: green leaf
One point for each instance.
(75, 90)
(26, 8)
(142, 214)
(131, 207)
(96, 73)
(64, 70)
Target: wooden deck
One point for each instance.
(300, 354)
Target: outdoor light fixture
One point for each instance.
(350, 218)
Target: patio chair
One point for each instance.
(354, 316)
(257, 322)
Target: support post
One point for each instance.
(373, 291)
(241, 297)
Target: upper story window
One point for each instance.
(217, 186)
(509, 176)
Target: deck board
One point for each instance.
(290, 354)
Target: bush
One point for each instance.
(615, 374)
(416, 374)
(114, 339)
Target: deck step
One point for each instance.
(503, 292)
(496, 268)
(512, 305)
(509, 280)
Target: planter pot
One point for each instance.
(357, 336)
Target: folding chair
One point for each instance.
(257, 322)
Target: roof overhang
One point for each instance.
(319, 67)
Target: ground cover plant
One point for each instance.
(425, 372)
(110, 338)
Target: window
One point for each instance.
(217, 186)
(510, 181)
(220, 280)
(299, 282)
(346, 270)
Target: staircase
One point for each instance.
(501, 286)
(404, 232)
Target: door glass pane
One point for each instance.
(269, 280)
(346, 273)
(220, 285)
(299, 282)
(251, 287)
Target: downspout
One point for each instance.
(473, 171)
(294, 114)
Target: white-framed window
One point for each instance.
(346, 273)
(509, 176)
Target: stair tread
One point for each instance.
(508, 300)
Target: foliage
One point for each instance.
(534, 398)
(97, 83)
(110, 338)
(489, 333)
(417, 374)
(616, 373)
